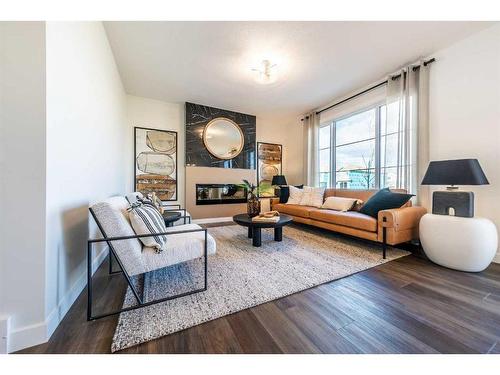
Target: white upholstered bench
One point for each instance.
(184, 243)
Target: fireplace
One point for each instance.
(220, 194)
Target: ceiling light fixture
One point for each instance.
(266, 73)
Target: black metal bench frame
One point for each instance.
(112, 253)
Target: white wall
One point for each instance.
(63, 130)
(290, 135)
(22, 177)
(156, 114)
(86, 143)
(465, 111)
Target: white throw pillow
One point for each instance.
(339, 203)
(295, 195)
(145, 219)
(312, 196)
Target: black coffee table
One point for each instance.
(254, 229)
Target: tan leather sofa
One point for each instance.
(392, 227)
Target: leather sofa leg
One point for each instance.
(384, 238)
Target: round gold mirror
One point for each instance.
(223, 138)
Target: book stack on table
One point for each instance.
(267, 217)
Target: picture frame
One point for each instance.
(269, 163)
(156, 162)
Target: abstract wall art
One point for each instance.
(269, 164)
(155, 160)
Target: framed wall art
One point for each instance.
(269, 164)
(155, 162)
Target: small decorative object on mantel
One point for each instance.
(253, 204)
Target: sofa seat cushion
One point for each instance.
(180, 247)
(351, 219)
(293, 209)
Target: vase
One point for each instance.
(253, 205)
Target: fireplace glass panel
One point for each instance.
(220, 194)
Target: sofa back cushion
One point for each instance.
(295, 196)
(363, 195)
(339, 203)
(312, 196)
(112, 218)
(285, 192)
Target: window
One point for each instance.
(358, 152)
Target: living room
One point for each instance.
(236, 187)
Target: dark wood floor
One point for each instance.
(405, 306)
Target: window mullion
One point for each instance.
(333, 149)
(377, 148)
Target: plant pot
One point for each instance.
(253, 205)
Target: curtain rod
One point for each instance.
(425, 63)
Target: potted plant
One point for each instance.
(253, 203)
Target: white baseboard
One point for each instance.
(4, 333)
(210, 220)
(40, 333)
(27, 336)
(496, 259)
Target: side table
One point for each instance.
(461, 243)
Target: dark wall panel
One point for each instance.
(197, 116)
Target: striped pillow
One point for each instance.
(146, 219)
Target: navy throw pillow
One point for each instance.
(384, 199)
(285, 192)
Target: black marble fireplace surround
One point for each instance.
(197, 117)
(220, 194)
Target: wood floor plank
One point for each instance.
(251, 334)
(285, 333)
(399, 317)
(439, 317)
(319, 330)
(404, 306)
(372, 317)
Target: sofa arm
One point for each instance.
(401, 224)
(274, 201)
(401, 219)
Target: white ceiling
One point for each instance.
(210, 62)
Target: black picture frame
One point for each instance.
(258, 165)
(173, 181)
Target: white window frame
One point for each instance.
(333, 146)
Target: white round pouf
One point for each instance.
(461, 243)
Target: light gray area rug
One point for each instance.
(242, 276)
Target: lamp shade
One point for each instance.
(455, 172)
(279, 180)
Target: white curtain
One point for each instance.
(407, 117)
(311, 149)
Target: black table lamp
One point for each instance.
(453, 173)
(278, 180)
